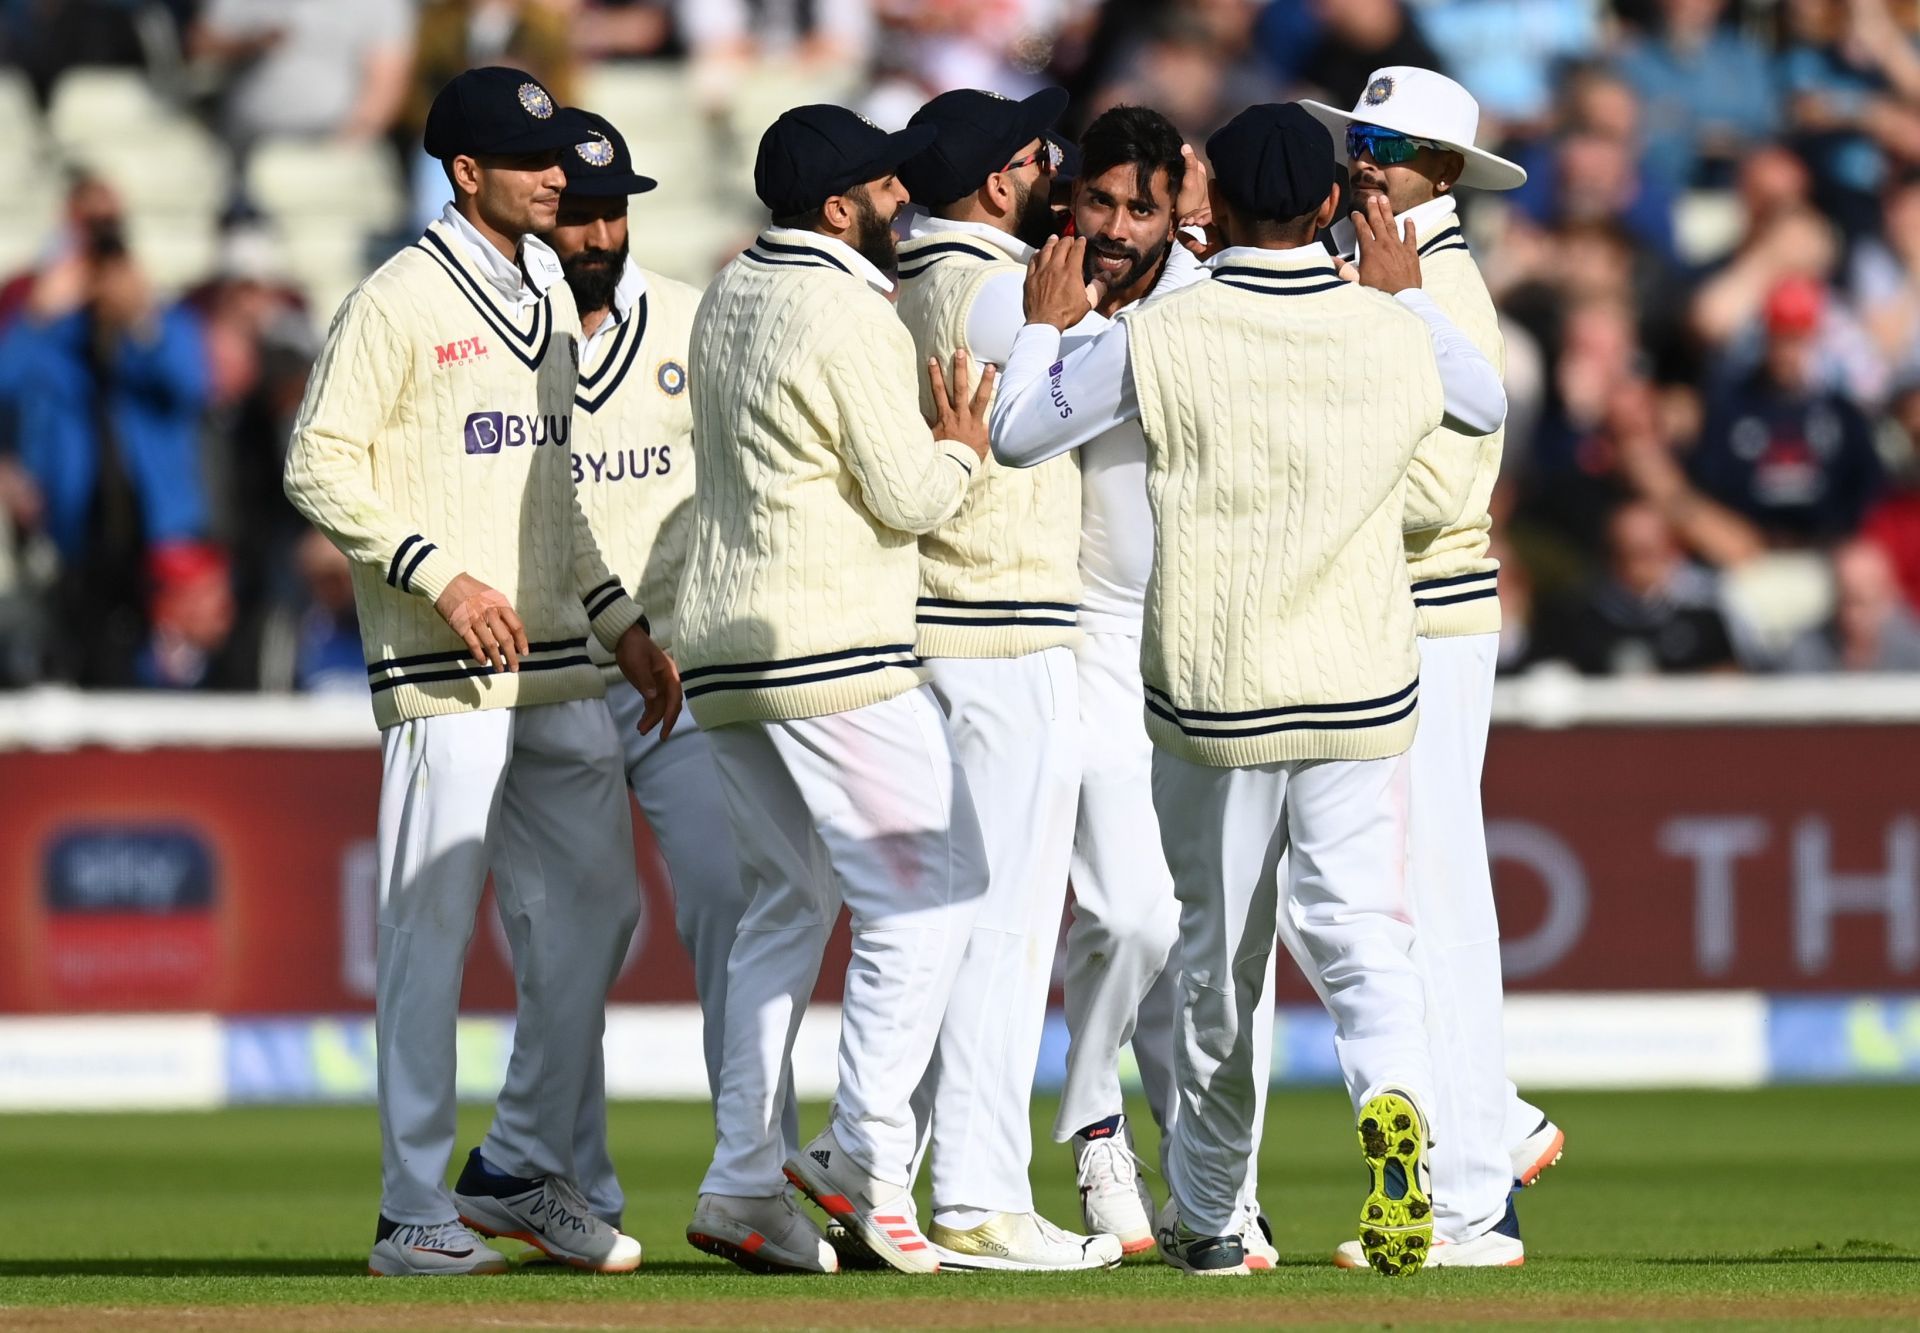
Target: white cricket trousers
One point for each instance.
(535, 795)
(1119, 982)
(1015, 726)
(1459, 936)
(1342, 825)
(868, 807)
(678, 790)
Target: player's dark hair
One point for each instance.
(1138, 136)
(811, 220)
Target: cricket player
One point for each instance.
(433, 449)
(998, 623)
(1282, 406)
(1409, 141)
(796, 620)
(633, 468)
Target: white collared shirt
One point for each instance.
(1427, 220)
(850, 259)
(523, 283)
(626, 295)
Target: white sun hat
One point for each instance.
(1422, 104)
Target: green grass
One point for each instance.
(1793, 1206)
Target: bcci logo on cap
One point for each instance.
(1378, 91)
(596, 152)
(534, 100)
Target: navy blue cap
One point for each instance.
(600, 165)
(978, 133)
(815, 152)
(496, 111)
(1274, 161)
(1070, 159)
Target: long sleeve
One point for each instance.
(1047, 405)
(908, 480)
(610, 610)
(360, 377)
(997, 316)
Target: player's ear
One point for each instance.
(464, 174)
(1323, 217)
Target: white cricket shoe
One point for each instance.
(1114, 1200)
(442, 1249)
(1498, 1247)
(548, 1213)
(1021, 1243)
(1256, 1240)
(767, 1235)
(1194, 1254)
(1536, 1152)
(881, 1214)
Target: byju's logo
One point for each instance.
(486, 432)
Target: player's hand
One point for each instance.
(1057, 292)
(653, 673)
(485, 619)
(957, 414)
(1194, 208)
(1389, 255)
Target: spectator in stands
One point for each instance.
(1509, 52)
(622, 29)
(1357, 37)
(726, 37)
(1894, 523)
(1793, 456)
(1851, 77)
(1871, 628)
(92, 206)
(326, 656)
(1707, 91)
(191, 644)
(1883, 279)
(1196, 66)
(46, 38)
(1518, 647)
(311, 69)
(1653, 613)
(107, 385)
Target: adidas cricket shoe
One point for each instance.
(1114, 1200)
(1194, 1254)
(1021, 1243)
(1396, 1221)
(879, 1214)
(852, 1252)
(1256, 1240)
(442, 1249)
(766, 1235)
(548, 1213)
(1498, 1247)
(1536, 1152)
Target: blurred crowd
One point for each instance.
(1710, 288)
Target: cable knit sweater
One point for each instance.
(434, 440)
(1282, 407)
(633, 447)
(817, 475)
(1001, 578)
(1455, 581)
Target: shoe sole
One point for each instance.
(887, 1249)
(952, 1261)
(1240, 1270)
(1395, 1233)
(1550, 1158)
(747, 1255)
(490, 1269)
(530, 1238)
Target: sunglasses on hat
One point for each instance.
(1048, 156)
(1388, 148)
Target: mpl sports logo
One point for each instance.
(460, 349)
(489, 432)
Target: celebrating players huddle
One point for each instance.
(1151, 560)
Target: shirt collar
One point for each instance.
(921, 225)
(836, 251)
(626, 295)
(1429, 220)
(1300, 257)
(521, 283)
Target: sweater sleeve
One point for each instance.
(610, 610)
(1441, 476)
(362, 372)
(909, 481)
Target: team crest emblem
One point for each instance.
(596, 152)
(534, 100)
(1378, 91)
(672, 378)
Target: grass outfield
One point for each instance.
(1791, 1206)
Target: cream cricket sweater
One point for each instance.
(1002, 577)
(1281, 407)
(1455, 581)
(434, 441)
(817, 476)
(633, 444)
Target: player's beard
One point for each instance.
(1140, 262)
(1033, 218)
(593, 275)
(873, 235)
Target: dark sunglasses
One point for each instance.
(1388, 148)
(1047, 155)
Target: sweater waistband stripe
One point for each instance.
(781, 682)
(1454, 581)
(1002, 622)
(1310, 724)
(467, 672)
(891, 650)
(1260, 714)
(1480, 595)
(456, 654)
(949, 603)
